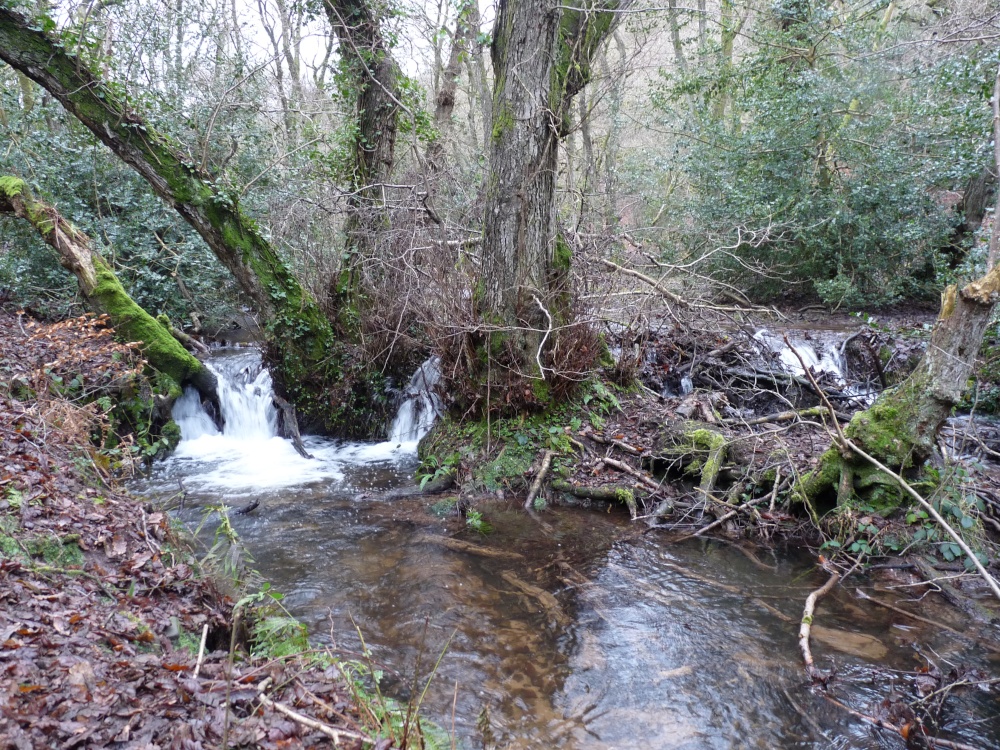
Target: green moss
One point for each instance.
(171, 432)
(503, 122)
(132, 323)
(12, 186)
(542, 391)
(886, 428)
(60, 553)
(562, 258)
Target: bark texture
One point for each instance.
(542, 54)
(102, 290)
(373, 78)
(305, 356)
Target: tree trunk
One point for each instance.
(542, 55)
(444, 105)
(372, 80)
(102, 290)
(305, 356)
(900, 428)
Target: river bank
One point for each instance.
(112, 633)
(561, 627)
(564, 626)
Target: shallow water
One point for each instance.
(587, 634)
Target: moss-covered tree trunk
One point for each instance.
(305, 356)
(371, 79)
(542, 53)
(102, 290)
(900, 428)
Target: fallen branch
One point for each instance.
(640, 475)
(784, 416)
(610, 494)
(331, 732)
(806, 626)
(620, 444)
(457, 545)
(647, 279)
(539, 478)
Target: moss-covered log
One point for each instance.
(901, 427)
(101, 288)
(306, 358)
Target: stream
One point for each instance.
(587, 634)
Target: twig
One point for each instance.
(990, 580)
(201, 650)
(805, 717)
(334, 734)
(612, 441)
(940, 625)
(718, 522)
(539, 477)
(541, 345)
(774, 490)
(901, 731)
(806, 626)
(648, 279)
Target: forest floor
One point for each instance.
(111, 635)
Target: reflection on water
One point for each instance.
(587, 634)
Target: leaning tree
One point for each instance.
(309, 362)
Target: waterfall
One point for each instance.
(826, 359)
(249, 456)
(245, 395)
(420, 406)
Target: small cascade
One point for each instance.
(245, 395)
(191, 416)
(248, 455)
(826, 358)
(420, 406)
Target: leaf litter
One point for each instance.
(101, 609)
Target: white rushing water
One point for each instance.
(420, 407)
(823, 355)
(826, 358)
(248, 455)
